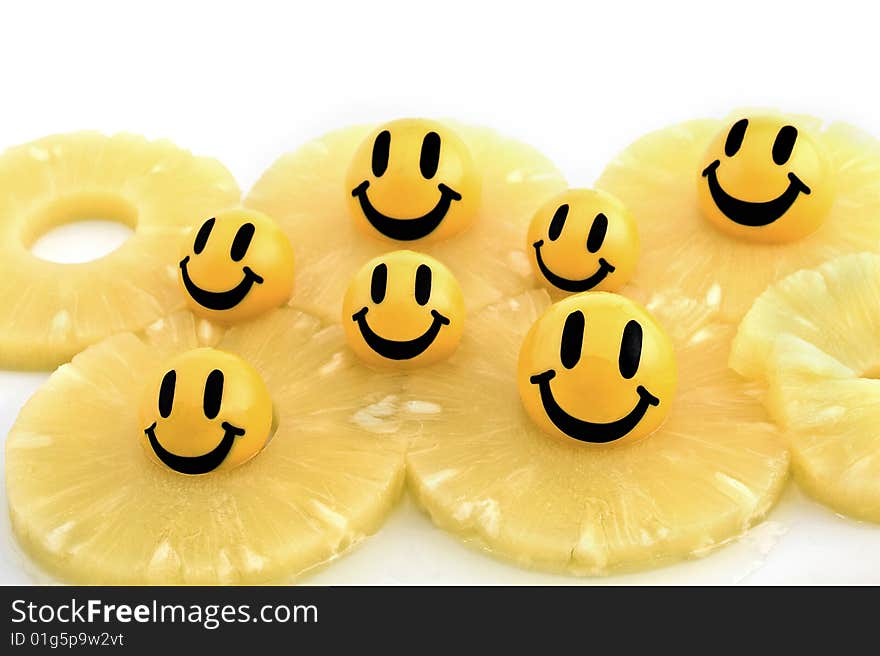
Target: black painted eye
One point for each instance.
(572, 339)
(213, 394)
(242, 242)
(784, 144)
(557, 222)
(202, 236)
(430, 157)
(597, 233)
(381, 148)
(630, 349)
(166, 393)
(735, 137)
(379, 283)
(423, 284)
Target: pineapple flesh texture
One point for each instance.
(814, 338)
(89, 505)
(485, 472)
(657, 177)
(305, 192)
(52, 311)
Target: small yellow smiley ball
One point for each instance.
(236, 265)
(413, 180)
(583, 240)
(765, 179)
(404, 310)
(207, 410)
(596, 367)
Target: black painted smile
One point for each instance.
(750, 214)
(587, 431)
(566, 284)
(196, 464)
(406, 229)
(219, 300)
(399, 350)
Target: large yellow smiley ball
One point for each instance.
(413, 180)
(235, 266)
(583, 240)
(207, 411)
(404, 310)
(766, 180)
(596, 367)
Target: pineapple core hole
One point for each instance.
(80, 228)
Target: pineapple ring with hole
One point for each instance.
(486, 472)
(305, 191)
(814, 338)
(657, 176)
(52, 310)
(89, 504)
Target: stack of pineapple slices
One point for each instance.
(484, 471)
(52, 311)
(814, 339)
(305, 192)
(89, 504)
(657, 177)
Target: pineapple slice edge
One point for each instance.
(811, 341)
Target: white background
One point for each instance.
(247, 81)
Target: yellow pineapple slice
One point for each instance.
(485, 472)
(814, 337)
(305, 192)
(51, 310)
(657, 177)
(89, 505)
(835, 307)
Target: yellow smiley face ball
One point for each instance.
(238, 264)
(207, 411)
(583, 240)
(403, 310)
(765, 179)
(413, 180)
(597, 368)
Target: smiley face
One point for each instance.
(596, 367)
(766, 180)
(413, 180)
(208, 411)
(583, 240)
(237, 265)
(403, 309)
